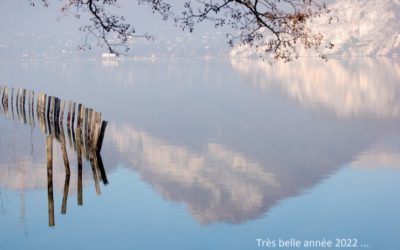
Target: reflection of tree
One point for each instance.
(350, 88)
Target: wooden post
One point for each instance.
(69, 114)
(52, 108)
(73, 116)
(23, 96)
(86, 139)
(55, 110)
(79, 156)
(12, 102)
(5, 99)
(62, 112)
(78, 121)
(81, 117)
(86, 121)
(92, 122)
(38, 107)
(17, 98)
(44, 112)
(49, 98)
(2, 93)
(2, 99)
(29, 108)
(69, 137)
(89, 123)
(32, 107)
(49, 143)
(56, 117)
(80, 113)
(96, 130)
(22, 105)
(41, 110)
(17, 102)
(48, 108)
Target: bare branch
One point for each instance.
(275, 27)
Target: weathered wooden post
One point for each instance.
(89, 124)
(62, 112)
(78, 122)
(48, 107)
(17, 98)
(17, 102)
(29, 108)
(1, 93)
(73, 116)
(12, 102)
(49, 143)
(41, 110)
(92, 130)
(49, 104)
(56, 109)
(32, 106)
(5, 100)
(69, 114)
(23, 96)
(96, 130)
(86, 136)
(2, 99)
(56, 117)
(52, 107)
(79, 156)
(38, 102)
(86, 121)
(22, 105)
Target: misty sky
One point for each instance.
(39, 30)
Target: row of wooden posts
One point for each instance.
(85, 137)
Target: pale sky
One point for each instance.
(28, 30)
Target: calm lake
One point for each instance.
(200, 154)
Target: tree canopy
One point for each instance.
(273, 27)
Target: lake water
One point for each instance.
(202, 154)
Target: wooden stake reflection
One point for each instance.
(79, 156)
(49, 143)
(90, 129)
(67, 171)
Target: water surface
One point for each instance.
(205, 154)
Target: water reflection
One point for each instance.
(350, 88)
(271, 154)
(86, 138)
(218, 184)
(240, 144)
